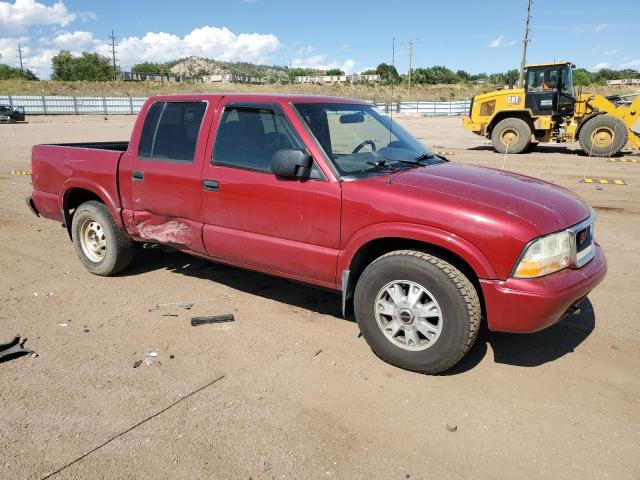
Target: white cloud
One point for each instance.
(634, 64)
(319, 62)
(207, 41)
(513, 43)
(609, 53)
(600, 27)
(497, 42)
(16, 17)
(600, 66)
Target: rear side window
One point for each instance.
(170, 131)
(249, 136)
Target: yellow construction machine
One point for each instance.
(548, 109)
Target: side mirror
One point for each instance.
(291, 163)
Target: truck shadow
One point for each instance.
(532, 349)
(522, 350)
(543, 148)
(311, 298)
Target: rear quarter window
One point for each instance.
(170, 131)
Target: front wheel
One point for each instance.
(417, 311)
(603, 136)
(103, 248)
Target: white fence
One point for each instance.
(431, 109)
(57, 105)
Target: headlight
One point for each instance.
(544, 256)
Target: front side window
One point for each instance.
(170, 131)
(541, 80)
(359, 139)
(249, 136)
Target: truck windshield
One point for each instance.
(360, 140)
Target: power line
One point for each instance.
(113, 45)
(524, 46)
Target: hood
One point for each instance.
(545, 206)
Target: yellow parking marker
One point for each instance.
(603, 181)
(20, 172)
(624, 160)
(441, 152)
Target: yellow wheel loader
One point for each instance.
(548, 110)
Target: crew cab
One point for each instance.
(330, 192)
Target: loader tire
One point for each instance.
(603, 136)
(511, 135)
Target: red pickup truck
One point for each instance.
(330, 192)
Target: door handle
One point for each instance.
(210, 185)
(137, 176)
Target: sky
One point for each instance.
(353, 35)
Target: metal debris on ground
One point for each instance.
(14, 349)
(603, 181)
(137, 363)
(452, 427)
(189, 304)
(195, 321)
(317, 352)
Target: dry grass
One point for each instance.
(364, 92)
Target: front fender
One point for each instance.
(421, 233)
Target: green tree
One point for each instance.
(388, 74)
(371, 71)
(152, 68)
(7, 72)
(335, 72)
(88, 66)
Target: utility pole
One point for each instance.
(20, 58)
(393, 52)
(524, 47)
(411, 44)
(113, 54)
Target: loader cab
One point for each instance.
(549, 89)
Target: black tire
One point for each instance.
(456, 296)
(117, 251)
(609, 126)
(516, 126)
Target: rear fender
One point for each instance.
(113, 204)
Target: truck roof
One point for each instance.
(550, 64)
(259, 97)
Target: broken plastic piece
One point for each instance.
(13, 349)
(195, 321)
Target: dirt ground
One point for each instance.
(302, 396)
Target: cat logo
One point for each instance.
(513, 100)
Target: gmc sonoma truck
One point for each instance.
(330, 192)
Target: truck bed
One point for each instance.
(64, 167)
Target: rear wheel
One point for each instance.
(511, 135)
(603, 136)
(417, 311)
(103, 248)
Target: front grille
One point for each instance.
(582, 246)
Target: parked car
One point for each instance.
(8, 114)
(330, 192)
